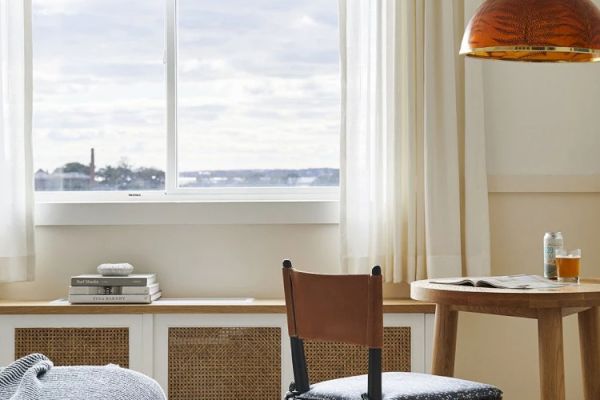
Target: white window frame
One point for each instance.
(300, 204)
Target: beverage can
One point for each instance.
(552, 242)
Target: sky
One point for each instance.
(258, 83)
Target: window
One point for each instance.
(98, 84)
(251, 102)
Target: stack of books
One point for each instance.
(135, 288)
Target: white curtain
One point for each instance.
(16, 175)
(413, 173)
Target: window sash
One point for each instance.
(171, 173)
(172, 191)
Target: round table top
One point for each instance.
(585, 294)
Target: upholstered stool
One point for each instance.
(349, 309)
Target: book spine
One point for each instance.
(109, 281)
(151, 289)
(126, 298)
(93, 290)
(113, 290)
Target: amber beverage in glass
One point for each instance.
(568, 265)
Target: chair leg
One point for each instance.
(374, 385)
(299, 364)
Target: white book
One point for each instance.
(99, 280)
(113, 299)
(114, 290)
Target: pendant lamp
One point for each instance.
(534, 30)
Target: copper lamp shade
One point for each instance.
(534, 30)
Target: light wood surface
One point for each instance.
(187, 306)
(589, 339)
(444, 342)
(583, 295)
(548, 306)
(550, 344)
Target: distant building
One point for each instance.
(59, 180)
(304, 181)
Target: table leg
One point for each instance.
(589, 342)
(444, 340)
(552, 366)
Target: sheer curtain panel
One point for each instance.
(413, 179)
(16, 171)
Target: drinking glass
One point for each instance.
(568, 265)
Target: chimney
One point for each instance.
(92, 167)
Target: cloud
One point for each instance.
(79, 135)
(305, 21)
(259, 83)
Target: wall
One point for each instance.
(190, 260)
(542, 119)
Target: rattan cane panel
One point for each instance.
(330, 360)
(224, 363)
(75, 346)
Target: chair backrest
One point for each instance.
(343, 308)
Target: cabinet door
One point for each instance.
(230, 356)
(418, 339)
(222, 356)
(77, 339)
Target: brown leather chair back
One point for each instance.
(344, 308)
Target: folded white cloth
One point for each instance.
(34, 377)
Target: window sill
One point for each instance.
(187, 212)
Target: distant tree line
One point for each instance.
(78, 176)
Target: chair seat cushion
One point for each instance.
(403, 386)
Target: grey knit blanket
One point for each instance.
(34, 377)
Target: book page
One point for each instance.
(519, 282)
(456, 281)
(504, 282)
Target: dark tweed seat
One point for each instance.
(403, 386)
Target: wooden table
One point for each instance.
(548, 306)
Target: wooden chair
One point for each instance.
(349, 309)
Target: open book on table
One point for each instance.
(503, 282)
